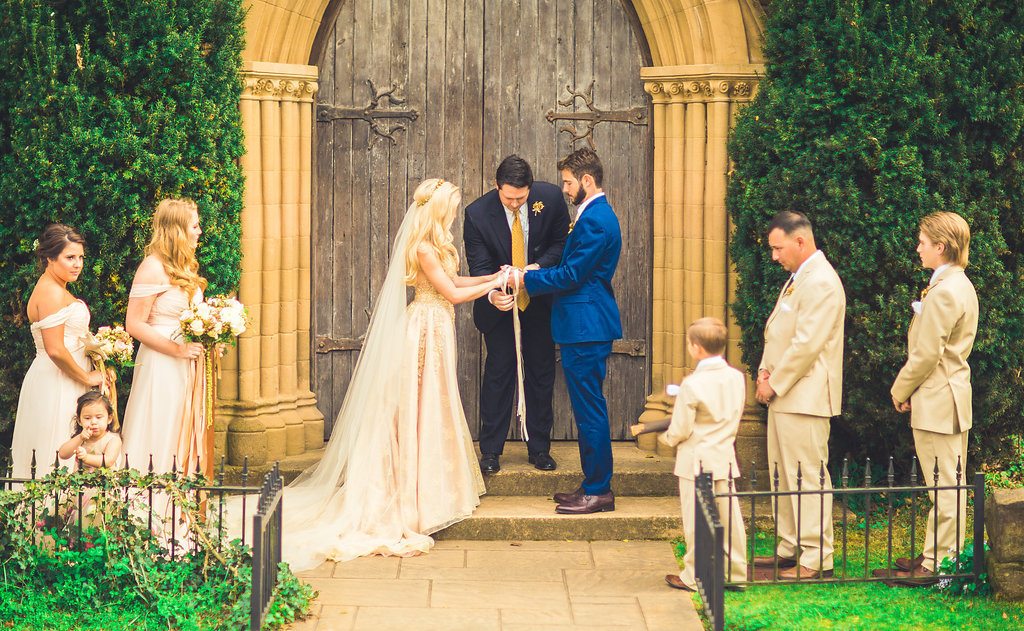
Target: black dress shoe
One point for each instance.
(569, 498)
(588, 504)
(543, 461)
(673, 580)
(489, 463)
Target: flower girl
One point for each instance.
(95, 442)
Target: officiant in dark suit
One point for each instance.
(524, 224)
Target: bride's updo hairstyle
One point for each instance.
(435, 204)
(52, 242)
(170, 243)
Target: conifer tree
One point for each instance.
(870, 116)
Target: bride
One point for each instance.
(400, 463)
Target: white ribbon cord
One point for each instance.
(521, 406)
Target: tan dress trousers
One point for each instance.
(947, 448)
(734, 539)
(801, 439)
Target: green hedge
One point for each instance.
(870, 116)
(106, 107)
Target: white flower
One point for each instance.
(197, 327)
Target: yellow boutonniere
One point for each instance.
(571, 224)
(788, 291)
(924, 292)
(537, 207)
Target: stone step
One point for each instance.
(291, 467)
(636, 472)
(532, 518)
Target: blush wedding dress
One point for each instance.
(400, 463)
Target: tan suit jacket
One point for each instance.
(705, 418)
(937, 377)
(803, 342)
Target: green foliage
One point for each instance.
(106, 107)
(871, 115)
(116, 573)
(963, 586)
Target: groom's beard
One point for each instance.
(579, 197)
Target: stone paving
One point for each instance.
(505, 586)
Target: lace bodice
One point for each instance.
(427, 294)
(75, 318)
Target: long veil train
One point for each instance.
(345, 506)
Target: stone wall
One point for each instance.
(1004, 522)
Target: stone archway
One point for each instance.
(706, 58)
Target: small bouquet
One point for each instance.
(112, 344)
(217, 320)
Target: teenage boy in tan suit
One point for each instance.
(705, 419)
(800, 379)
(935, 384)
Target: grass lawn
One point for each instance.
(863, 606)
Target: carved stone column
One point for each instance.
(265, 402)
(693, 109)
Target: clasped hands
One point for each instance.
(511, 283)
(765, 393)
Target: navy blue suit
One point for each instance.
(584, 321)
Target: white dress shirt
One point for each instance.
(583, 206)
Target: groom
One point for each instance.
(584, 321)
(524, 224)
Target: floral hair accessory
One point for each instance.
(432, 191)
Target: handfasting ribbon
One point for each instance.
(521, 406)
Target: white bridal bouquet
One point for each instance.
(216, 320)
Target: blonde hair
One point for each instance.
(710, 334)
(170, 243)
(952, 231)
(435, 204)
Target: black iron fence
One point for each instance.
(211, 495)
(266, 546)
(877, 505)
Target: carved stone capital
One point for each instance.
(701, 83)
(280, 82)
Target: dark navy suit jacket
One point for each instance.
(489, 242)
(584, 308)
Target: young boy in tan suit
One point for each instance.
(705, 419)
(935, 385)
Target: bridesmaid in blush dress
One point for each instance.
(167, 281)
(60, 373)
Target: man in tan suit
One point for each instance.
(705, 419)
(935, 385)
(800, 378)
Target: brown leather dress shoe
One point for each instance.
(790, 574)
(566, 498)
(588, 504)
(673, 580)
(769, 561)
(918, 577)
(906, 564)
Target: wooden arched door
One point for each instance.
(409, 91)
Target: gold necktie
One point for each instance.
(519, 256)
